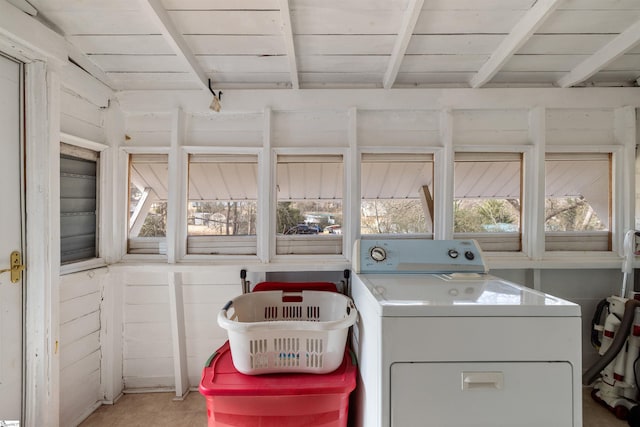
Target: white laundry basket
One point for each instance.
(277, 331)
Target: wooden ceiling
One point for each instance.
(263, 44)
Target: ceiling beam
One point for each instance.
(287, 32)
(84, 63)
(523, 30)
(24, 6)
(159, 15)
(603, 57)
(20, 32)
(402, 41)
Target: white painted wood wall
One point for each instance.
(81, 293)
(157, 315)
(149, 327)
(80, 349)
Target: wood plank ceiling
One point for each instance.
(180, 44)
(263, 44)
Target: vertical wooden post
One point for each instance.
(266, 239)
(111, 315)
(42, 152)
(624, 177)
(112, 239)
(176, 228)
(443, 181)
(352, 179)
(176, 308)
(534, 186)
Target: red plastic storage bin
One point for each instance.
(275, 400)
(295, 286)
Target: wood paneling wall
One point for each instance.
(149, 338)
(81, 293)
(80, 349)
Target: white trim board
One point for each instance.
(380, 99)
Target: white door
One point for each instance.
(10, 240)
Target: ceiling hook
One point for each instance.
(215, 102)
(213, 92)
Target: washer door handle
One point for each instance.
(482, 380)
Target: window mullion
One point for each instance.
(534, 186)
(266, 198)
(174, 188)
(443, 180)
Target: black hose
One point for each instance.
(635, 371)
(618, 342)
(595, 339)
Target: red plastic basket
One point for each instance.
(295, 286)
(275, 400)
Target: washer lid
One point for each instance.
(459, 294)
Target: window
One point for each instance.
(397, 196)
(148, 191)
(222, 204)
(487, 199)
(78, 204)
(577, 201)
(309, 204)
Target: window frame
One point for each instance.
(162, 241)
(434, 155)
(346, 219)
(615, 190)
(183, 199)
(525, 189)
(532, 233)
(101, 191)
(124, 226)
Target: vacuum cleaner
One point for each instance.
(616, 335)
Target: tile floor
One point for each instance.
(160, 410)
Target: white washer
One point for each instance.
(442, 343)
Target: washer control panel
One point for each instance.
(417, 256)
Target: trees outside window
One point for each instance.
(229, 218)
(393, 217)
(571, 214)
(155, 224)
(490, 215)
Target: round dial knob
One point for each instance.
(378, 254)
(453, 253)
(469, 255)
